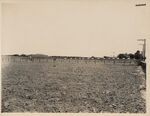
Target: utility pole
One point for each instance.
(144, 40)
(144, 47)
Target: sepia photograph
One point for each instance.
(74, 56)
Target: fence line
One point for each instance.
(61, 60)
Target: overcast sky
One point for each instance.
(74, 27)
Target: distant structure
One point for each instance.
(144, 47)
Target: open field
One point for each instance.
(72, 86)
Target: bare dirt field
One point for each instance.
(73, 87)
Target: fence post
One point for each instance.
(114, 61)
(124, 61)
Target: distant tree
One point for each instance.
(121, 56)
(106, 57)
(138, 55)
(23, 55)
(131, 56)
(16, 55)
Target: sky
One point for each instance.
(74, 27)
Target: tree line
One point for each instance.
(137, 55)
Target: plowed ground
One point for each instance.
(72, 87)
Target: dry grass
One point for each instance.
(71, 87)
